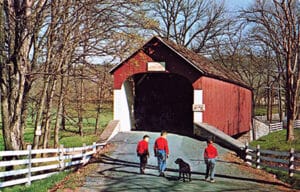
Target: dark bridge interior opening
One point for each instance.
(163, 101)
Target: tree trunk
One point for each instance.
(271, 103)
(14, 70)
(290, 102)
(63, 118)
(100, 97)
(12, 94)
(290, 130)
(47, 128)
(59, 113)
(64, 113)
(268, 105)
(280, 101)
(97, 126)
(10, 129)
(80, 107)
(39, 115)
(25, 112)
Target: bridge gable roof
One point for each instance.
(205, 66)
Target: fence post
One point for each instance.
(84, 154)
(29, 165)
(291, 162)
(61, 158)
(248, 157)
(258, 156)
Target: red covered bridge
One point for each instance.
(166, 86)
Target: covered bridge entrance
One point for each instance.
(166, 86)
(163, 101)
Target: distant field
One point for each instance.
(262, 110)
(70, 138)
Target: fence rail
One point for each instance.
(275, 127)
(35, 164)
(279, 126)
(284, 161)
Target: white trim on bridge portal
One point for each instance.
(121, 109)
(198, 100)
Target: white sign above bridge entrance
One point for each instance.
(156, 66)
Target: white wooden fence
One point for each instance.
(284, 161)
(279, 126)
(275, 127)
(42, 163)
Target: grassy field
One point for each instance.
(67, 138)
(262, 110)
(70, 138)
(276, 141)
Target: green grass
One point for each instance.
(283, 176)
(77, 141)
(276, 141)
(40, 185)
(262, 110)
(72, 139)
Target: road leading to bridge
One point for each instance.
(119, 171)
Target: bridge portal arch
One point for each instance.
(162, 101)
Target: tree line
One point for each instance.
(55, 55)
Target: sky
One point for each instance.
(234, 5)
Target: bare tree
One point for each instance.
(61, 42)
(191, 23)
(102, 94)
(278, 23)
(41, 41)
(78, 32)
(20, 23)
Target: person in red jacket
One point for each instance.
(161, 151)
(210, 155)
(143, 152)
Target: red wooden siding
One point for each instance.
(227, 106)
(135, 64)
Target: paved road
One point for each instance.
(119, 171)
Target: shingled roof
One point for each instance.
(201, 63)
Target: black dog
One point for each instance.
(184, 169)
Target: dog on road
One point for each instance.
(184, 170)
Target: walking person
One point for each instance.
(143, 153)
(210, 155)
(161, 151)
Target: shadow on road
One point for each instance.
(121, 164)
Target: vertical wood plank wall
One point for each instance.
(227, 106)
